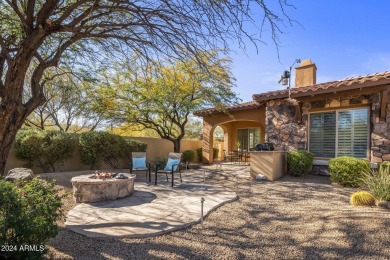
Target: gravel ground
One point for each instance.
(293, 218)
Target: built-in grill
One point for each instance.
(264, 147)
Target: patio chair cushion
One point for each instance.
(171, 162)
(139, 163)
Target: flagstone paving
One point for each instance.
(150, 210)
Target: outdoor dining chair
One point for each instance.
(172, 167)
(230, 157)
(138, 163)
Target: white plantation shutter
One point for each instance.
(351, 135)
(323, 134)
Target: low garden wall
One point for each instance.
(156, 148)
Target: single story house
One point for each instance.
(344, 117)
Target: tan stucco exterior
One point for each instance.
(272, 164)
(305, 74)
(230, 123)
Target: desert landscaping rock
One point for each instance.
(17, 174)
(292, 218)
(384, 204)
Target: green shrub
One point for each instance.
(199, 153)
(215, 153)
(136, 145)
(98, 147)
(299, 162)
(188, 156)
(384, 165)
(28, 216)
(348, 171)
(378, 183)
(362, 198)
(45, 149)
(162, 162)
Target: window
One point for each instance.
(338, 133)
(248, 137)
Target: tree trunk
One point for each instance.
(176, 146)
(12, 118)
(13, 112)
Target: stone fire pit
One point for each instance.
(87, 188)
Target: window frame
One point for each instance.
(336, 133)
(247, 128)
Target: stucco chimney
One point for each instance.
(305, 74)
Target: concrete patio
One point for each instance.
(154, 210)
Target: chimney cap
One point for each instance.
(305, 63)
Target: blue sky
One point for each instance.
(344, 38)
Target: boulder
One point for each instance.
(18, 174)
(384, 204)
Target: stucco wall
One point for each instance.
(230, 123)
(257, 114)
(156, 148)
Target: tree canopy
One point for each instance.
(44, 36)
(68, 105)
(165, 96)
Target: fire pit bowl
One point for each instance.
(87, 188)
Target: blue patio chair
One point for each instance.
(138, 163)
(172, 167)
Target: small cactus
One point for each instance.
(362, 198)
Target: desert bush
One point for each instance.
(162, 162)
(200, 150)
(299, 162)
(215, 153)
(378, 183)
(385, 165)
(28, 216)
(348, 171)
(45, 149)
(362, 198)
(188, 156)
(98, 147)
(199, 153)
(136, 145)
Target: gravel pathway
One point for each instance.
(293, 218)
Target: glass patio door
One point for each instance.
(248, 137)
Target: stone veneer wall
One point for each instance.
(287, 133)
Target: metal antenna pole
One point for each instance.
(289, 79)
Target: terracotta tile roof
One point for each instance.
(328, 87)
(238, 107)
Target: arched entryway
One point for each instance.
(244, 122)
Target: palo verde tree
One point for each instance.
(40, 36)
(163, 98)
(68, 105)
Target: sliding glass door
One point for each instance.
(248, 137)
